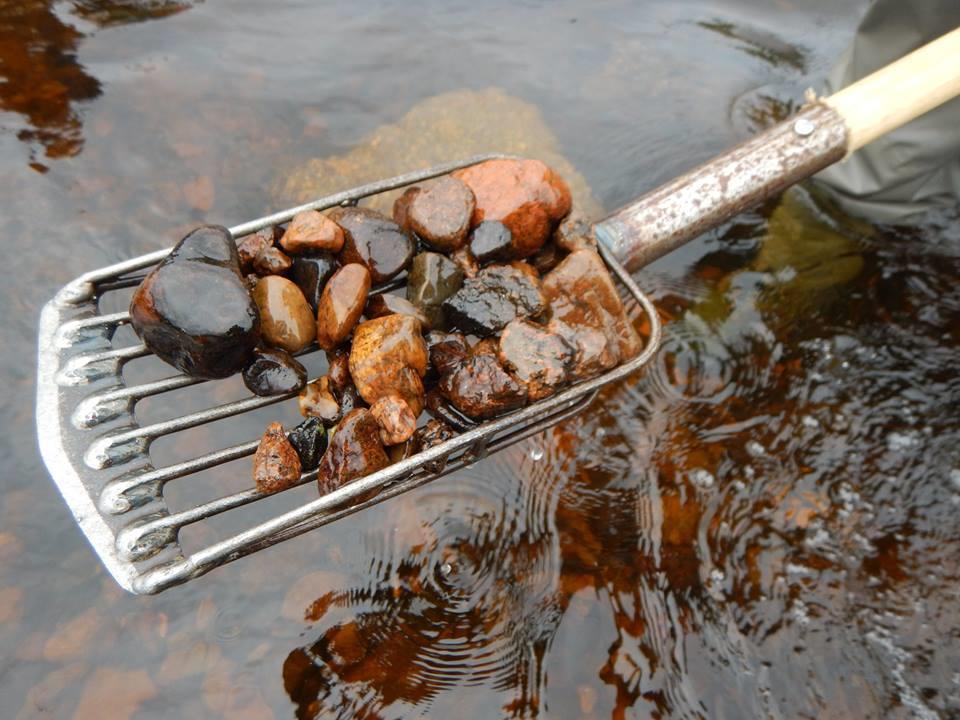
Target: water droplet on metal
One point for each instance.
(804, 127)
(536, 454)
(446, 569)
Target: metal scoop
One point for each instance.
(99, 455)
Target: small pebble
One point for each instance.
(309, 439)
(271, 261)
(274, 372)
(286, 320)
(309, 232)
(276, 465)
(341, 304)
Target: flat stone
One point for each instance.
(194, 311)
(440, 215)
(373, 240)
(497, 295)
(286, 320)
(491, 240)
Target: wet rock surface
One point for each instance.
(286, 320)
(586, 311)
(389, 355)
(341, 304)
(271, 261)
(250, 246)
(431, 435)
(538, 357)
(432, 279)
(401, 208)
(441, 409)
(491, 240)
(276, 465)
(497, 295)
(310, 273)
(318, 400)
(525, 195)
(373, 240)
(446, 350)
(353, 452)
(441, 214)
(309, 439)
(310, 232)
(465, 261)
(395, 418)
(481, 388)
(274, 372)
(194, 311)
(338, 369)
(387, 304)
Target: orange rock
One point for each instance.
(341, 304)
(311, 231)
(389, 355)
(395, 418)
(286, 320)
(276, 465)
(525, 195)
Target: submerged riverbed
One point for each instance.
(765, 523)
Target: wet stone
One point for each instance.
(538, 357)
(310, 273)
(481, 388)
(431, 435)
(432, 279)
(341, 304)
(525, 195)
(338, 369)
(465, 260)
(271, 261)
(389, 355)
(194, 311)
(446, 350)
(387, 304)
(575, 233)
(250, 246)
(395, 418)
(441, 409)
(373, 240)
(499, 294)
(274, 372)
(310, 232)
(441, 214)
(317, 400)
(401, 207)
(286, 320)
(546, 258)
(276, 465)
(491, 240)
(309, 439)
(354, 452)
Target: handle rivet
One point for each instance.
(804, 127)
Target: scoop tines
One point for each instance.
(98, 449)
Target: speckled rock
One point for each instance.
(318, 400)
(250, 245)
(341, 304)
(481, 388)
(537, 357)
(395, 418)
(525, 195)
(271, 261)
(286, 319)
(276, 465)
(389, 355)
(373, 240)
(310, 273)
(354, 451)
(499, 294)
(310, 232)
(274, 372)
(194, 311)
(586, 311)
(441, 214)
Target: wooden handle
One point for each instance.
(901, 91)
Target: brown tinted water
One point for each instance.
(764, 524)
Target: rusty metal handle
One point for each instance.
(767, 164)
(740, 178)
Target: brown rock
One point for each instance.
(465, 260)
(274, 372)
(338, 369)
(310, 231)
(547, 258)
(250, 246)
(310, 273)
(395, 418)
(387, 304)
(389, 355)
(121, 690)
(276, 465)
(446, 350)
(354, 452)
(575, 233)
(271, 261)
(401, 207)
(373, 240)
(432, 434)
(525, 195)
(441, 214)
(481, 388)
(341, 304)
(586, 311)
(441, 409)
(286, 321)
(538, 357)
(317, 400)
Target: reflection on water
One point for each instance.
(41, 78)
(763, 524)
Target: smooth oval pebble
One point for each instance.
(441, 214)
(310, 231)
(341, 304)
(373, 240)
(274, 372)
(285, 317)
